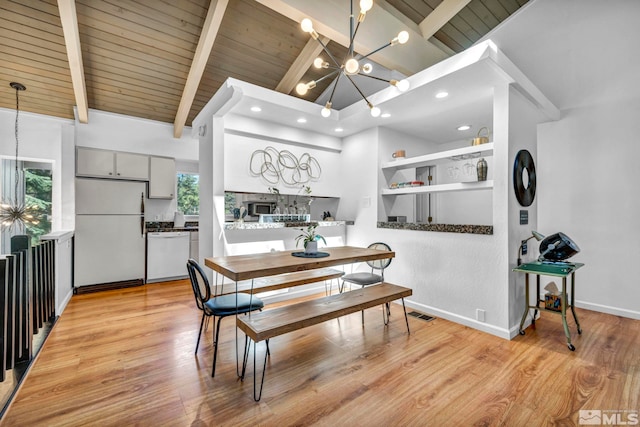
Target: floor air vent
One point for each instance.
(424, 317)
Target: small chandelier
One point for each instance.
(14, 214)
(350, 66)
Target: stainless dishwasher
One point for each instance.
(167, 255)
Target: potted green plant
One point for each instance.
(310, 239)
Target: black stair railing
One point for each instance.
(27, 301)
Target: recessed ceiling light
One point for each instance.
(302, 120)
(385, 115)
(256, 109)
(339, 129)
(464, 127)
(442, 94)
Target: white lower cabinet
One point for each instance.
(167, 255)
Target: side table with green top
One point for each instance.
(557, 269)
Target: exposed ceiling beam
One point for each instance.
(203, 50)
(67, 9)
(440, 16)
(331, 18)
(300, 66)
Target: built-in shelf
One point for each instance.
(441, 188)
(433, 159)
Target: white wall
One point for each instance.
(523, 120)
(451, 274)
(588, 190)
(581, 54)
(45, 139)
(243, 136)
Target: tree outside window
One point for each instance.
(188, 194)
(38, 192)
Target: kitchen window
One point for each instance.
(188, 193)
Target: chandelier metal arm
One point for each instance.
(324, 47)
(352, 34)
(335, 85)
(357, 88)
(15, 195)
(331, 74)
(374, 77)
(376, 51)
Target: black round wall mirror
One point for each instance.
(524, 178)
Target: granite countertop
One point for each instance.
(266, 225)
(166, 226)
(445, 228)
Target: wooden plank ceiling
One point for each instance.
(137, 54)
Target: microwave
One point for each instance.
(258, 208)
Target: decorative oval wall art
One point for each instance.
(273, 166)
(524, 178)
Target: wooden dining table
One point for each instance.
(253, 266)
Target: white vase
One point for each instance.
(311, 247)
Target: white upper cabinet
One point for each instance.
(90, 162)
(111, 164)
(162, 178)
(132, 166)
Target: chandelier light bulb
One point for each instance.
(375, 111)
(403, 37)
(326, 111)
(403, 85)
(365, 5)
(306, 25)
(319, 63)
(301, 88)
(367, 68)
(351, 66)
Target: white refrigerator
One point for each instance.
(109, 245)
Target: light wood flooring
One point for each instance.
(122, 358)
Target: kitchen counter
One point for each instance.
(445, 228)
(268, 225)
(167, 226)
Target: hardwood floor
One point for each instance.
(126, 358)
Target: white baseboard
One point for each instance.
(456, 318)
(64, 302)
(622, 312)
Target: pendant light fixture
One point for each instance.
(15, 214)
(352, 64)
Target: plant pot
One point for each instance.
(311, 247)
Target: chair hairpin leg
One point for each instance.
(215, 348)
(200, 333)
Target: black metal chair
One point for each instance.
(366, 278)
(220, 306)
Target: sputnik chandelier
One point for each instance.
(350, 65)
(13, 213)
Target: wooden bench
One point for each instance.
(280, 281)
(271, 323)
